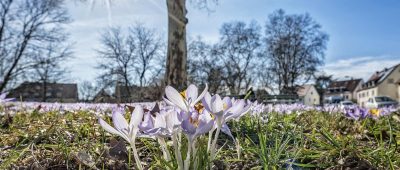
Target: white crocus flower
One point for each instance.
(127, 131)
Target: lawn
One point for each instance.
(301, 139)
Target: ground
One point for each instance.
(307, 140)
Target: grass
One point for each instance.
(311, 140)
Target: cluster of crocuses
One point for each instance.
(358, 113)
(3, 98)
(3, 101)
(188, 113)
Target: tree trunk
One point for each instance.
(175, 74)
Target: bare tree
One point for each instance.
(148, 51)
(117, 58)
(87, 91)
(204, 67)
(48, 64)
(25, 25)
(176, 63)
(135, 55)
(295, 48)
(238, 49)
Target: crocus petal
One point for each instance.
(205, 124)
(107, 127)
(3, 96)
(136, 117)
(172, 120)
(216, 104)
(244, 110)
(191, 93)
(225, 129)
(227, 102)
(111, 130)
(201, 96)
(158, 132)
(207, 101)
(9, 99)
(119, 122)
(188, 128)
(235, 110)
(175, 97)
(147, 123)
(168, 102)
(159, 121)
(204, 128)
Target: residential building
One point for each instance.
(342, 90)
(308, 95)
(382, 83)
(124, 94)
(281, 99)
(55, 92)
(103, 97)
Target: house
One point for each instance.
(382, 83)
(342, 90)
(261, 95)
(127, 94)
(55, 92)
(308, 95)
(281, 99)
(103, 97)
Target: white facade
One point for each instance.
(388, 84)
(309, 95)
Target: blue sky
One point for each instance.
(364, 34)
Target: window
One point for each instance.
(373, 92)
(311, 93)
(383, 99)
(391, 81)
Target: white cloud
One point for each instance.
(360, 67)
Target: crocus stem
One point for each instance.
(187, 160)
(178, 155)
(136, 156)
(194, 154)
(129, 157)
(164, 149)
(213, 149)
(210, 139)
(238, 149)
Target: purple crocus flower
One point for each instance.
(3, 98)
(355, 113)
(224, 110)
(185, 100)
(197, 124)
(162, 124)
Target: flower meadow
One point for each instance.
(194, 129)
